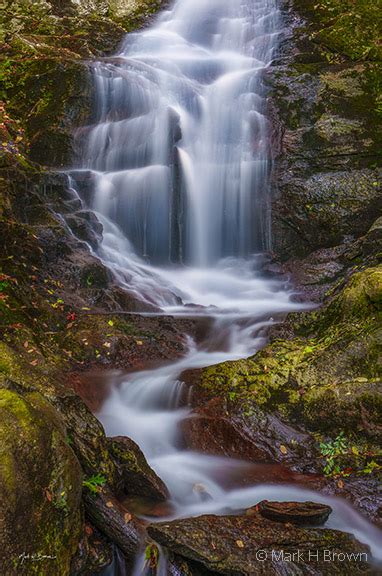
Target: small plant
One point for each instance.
(61, 502)
(332, 450)
(371, 467)
(151, 558)
(94, 483)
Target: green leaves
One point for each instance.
(332, 450)
(94, 483)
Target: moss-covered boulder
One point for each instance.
(329, 376)
(41, 486)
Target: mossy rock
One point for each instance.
(349, 27)
(41, 487)
(327, 378)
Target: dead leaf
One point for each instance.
(240, 543)
(109, 504)
(283, 449)
(127, 517)
(340, 484)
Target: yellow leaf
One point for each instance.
(109, 504)
(127, 517)
(139, 343)
(283, 449)
(355, 450)
(340, 484)
(240, 543)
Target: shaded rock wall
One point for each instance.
(325, 102)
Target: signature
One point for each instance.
(35, 557)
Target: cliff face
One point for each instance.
(326, 105)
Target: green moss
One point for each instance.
(39, 471)
(350, 27)
(329, 126)
(326, 379)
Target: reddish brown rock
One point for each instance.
(251, 545)
(298, 513)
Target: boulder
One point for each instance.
(134, 475)
(41, 486)
(223, 428)
(250, 545)
(298, 513)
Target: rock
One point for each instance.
(87, 437)
(41, 486)
(84, 229)
(326, 135)
(298, 513)
(135, 477)
(224, 429)
(327, 378)
(250, 545)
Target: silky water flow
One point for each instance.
(176, 168)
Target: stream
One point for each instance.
(176, 167)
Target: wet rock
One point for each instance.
(298, 513)
(327, 378)
(85, 228)
(134, 475)
(319, 211)
(95, 552)
(251, 545)
(41, 485)
(226, 430)
(86, 436)
(326, 139)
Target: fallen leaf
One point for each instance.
(240, 543)
(139, 342)
(88, 530)
(340, 484)
(26, 344)
(283, 449)
(127, 517)
(109, 504)
(33, 363)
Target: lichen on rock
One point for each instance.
(40, 484)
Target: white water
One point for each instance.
(176, 168)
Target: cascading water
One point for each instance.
(176, 168)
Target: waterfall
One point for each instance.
(178, 153)
(176, 167)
